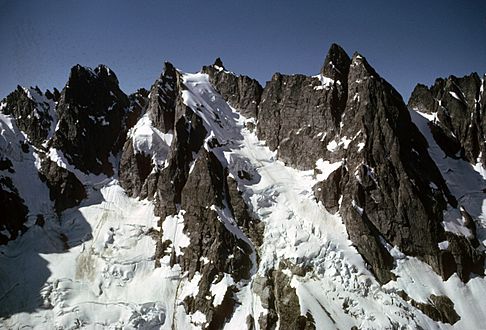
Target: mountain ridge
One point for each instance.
(203, 151)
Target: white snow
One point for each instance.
(357, 207)
(149, 141)
(344, 142)
(444, 245)
(172, 229)
(332, 146)
(454, 95)
(218, 290)
(106, 277)
(326, 168)
(25, 177)
(326, 82)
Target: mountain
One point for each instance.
(211, 202)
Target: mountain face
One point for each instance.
(211, 202)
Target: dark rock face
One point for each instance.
(241, 92)
(299, 115)
(458, 104)
(32, 113)
(281, 301)
(12, 209)
(163, 96)
(462, 257)
(91, 112)
(336, 65)
(64, 188)
(383, 188)
(439, 308)
(138, 105)
(160, 104)
(195, 183)
(210, 237)
(134, 169)
(189, 134)
(391, 177)
(250, 225)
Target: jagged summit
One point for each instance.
(211, 202)
(169, 70)
(219, 63)
(336, 64)
(91, 111)
(457, 105)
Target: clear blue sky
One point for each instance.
(406, 41)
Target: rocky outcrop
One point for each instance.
(138, 173)
(13, 209)
(193, 183)
(162, 99)
(280, 299)
(64, 188)
(33, 113)
(241, 92)
(299, 115)
(383, 187)
(457, 104)
(251, 226)
(439, 308)
(138, 105)
(214, 250)
(91, 112)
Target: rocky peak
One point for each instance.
(106, 74)
(162, 98)
(33, 111)
(219, 63)
(300, 115)
(457, 103)
(360, 69)
(54, 95)
(362, 127)
(336, 64)
(91, 111)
